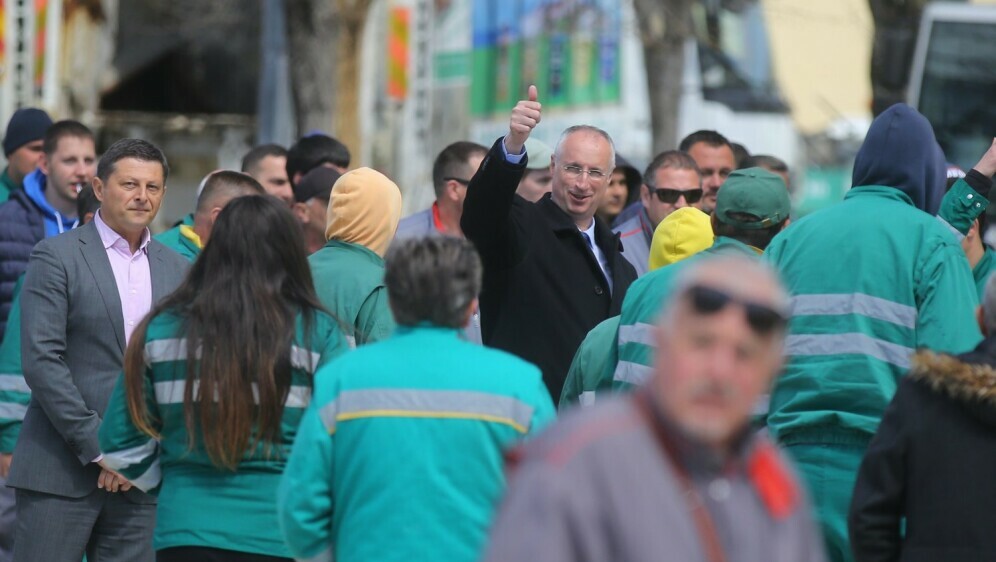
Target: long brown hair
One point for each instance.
(237, 308)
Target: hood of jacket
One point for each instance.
(364, 209)
(969, 379)
(900, 151)
(34, 188)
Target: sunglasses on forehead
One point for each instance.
(761, 318)
(671, 196)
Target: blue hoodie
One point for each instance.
(901, 151)
(55, 223)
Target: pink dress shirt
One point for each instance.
(131, 274)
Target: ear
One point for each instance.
(785, 224)
(43, 163)
(214, 214)
(98, 189)
(469, 313)
(451, 190)
(645, 195)
(301, 212)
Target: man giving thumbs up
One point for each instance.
(552, 270)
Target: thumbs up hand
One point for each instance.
(525, 117)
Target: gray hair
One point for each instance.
(989, 305)
(587, 129)
(432, 279)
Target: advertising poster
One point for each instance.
(568, 48)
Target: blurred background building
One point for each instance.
(397, 80)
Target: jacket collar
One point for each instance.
(880, 191)
(355, 248)
(969, 378)
(561, 223)
(724, 245)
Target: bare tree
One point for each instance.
(312, 42)
(665, 25)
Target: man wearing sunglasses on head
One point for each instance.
(671, 182)
(672, 471)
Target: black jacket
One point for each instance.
(22, 225)
(933, 461)
(543, 290)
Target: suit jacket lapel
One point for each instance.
(160, 275)
(96, 259)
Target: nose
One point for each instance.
(681, 203)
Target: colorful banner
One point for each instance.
(568, 48)
(41, 15)
(397, 53)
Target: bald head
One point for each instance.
(719, 346)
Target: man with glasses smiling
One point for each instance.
(671, 182)
(552, 270)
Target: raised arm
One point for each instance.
(969, 197)
(487, 211)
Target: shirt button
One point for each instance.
(599, 291)
(970, 196)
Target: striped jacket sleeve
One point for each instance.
(14, 391)
(126, 449)
(304, 499)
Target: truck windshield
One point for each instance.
(958, 88)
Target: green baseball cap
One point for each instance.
(755, 192)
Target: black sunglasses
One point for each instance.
(671, 196)
(761, 318)
(460, 181)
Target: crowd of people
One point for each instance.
(296, 371)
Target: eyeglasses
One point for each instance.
(671, 196)
(575, 172)
(761, 318)
(460, 181)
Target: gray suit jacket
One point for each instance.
(72, 347)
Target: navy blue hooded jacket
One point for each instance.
(900, 151)
(22, 225)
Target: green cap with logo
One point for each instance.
(752, 199)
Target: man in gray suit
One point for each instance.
(86, 291)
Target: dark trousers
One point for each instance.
(105, 526)
(205, 554)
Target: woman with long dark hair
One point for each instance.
(216, 379)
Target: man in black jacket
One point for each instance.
(932, 460)
(552, 271)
